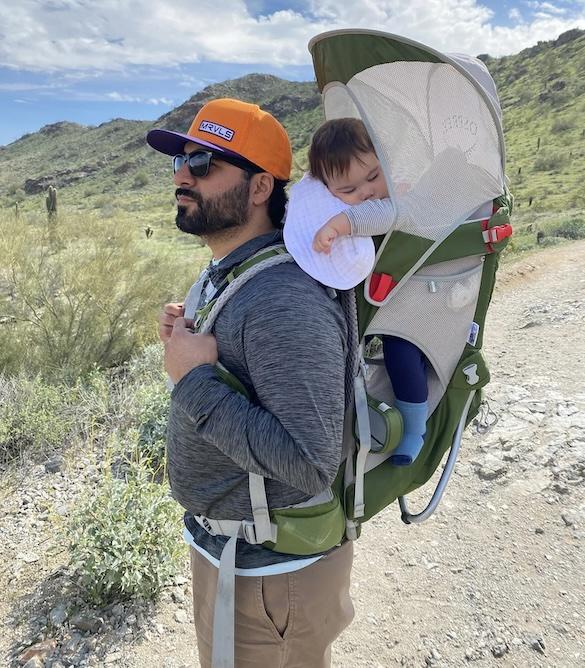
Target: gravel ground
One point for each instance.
(494, 578)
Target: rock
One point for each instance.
(131, 620)
(40, 650)
(181, 616)
(74, 650)
(87, 622)
(537, 644)
(118, 610)
(473, 654)
(500, 649)
(178, 597)
(569, 517)
(28, 557)
(114, 657)
(55, 464)
(58, 615)
(491, 468)
(35, 662)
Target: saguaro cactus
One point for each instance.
(51, 202)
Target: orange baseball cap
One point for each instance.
(237, 128)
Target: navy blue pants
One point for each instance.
(407, 368)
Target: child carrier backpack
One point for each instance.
(436, 125)
(435, 122)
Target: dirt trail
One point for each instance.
(494, 578)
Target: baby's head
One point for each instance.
(342, 156)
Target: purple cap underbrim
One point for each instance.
(173, 143)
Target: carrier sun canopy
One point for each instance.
(434, 120)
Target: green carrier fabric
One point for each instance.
(435, 122)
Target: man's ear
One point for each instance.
(261, 188)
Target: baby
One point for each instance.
(343, 158)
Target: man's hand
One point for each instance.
(167, 319)
(185, 350)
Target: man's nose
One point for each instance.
(183, 176)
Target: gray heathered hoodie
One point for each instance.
(285, 339)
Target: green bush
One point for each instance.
(35, 418)
(573, 228)
(125, 540)
(549, 161)
(152, 424)
(89, 296)
(140, 180)
(562, 124)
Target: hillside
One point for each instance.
(110, 167)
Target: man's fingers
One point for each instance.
(183, 323)
(174, 309)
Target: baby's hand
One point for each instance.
(337, 226)
(324, 238)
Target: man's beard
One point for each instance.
(214, 214)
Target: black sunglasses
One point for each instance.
(199, 162)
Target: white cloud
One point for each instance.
(76, 35)
(514, 15)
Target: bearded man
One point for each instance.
(284, 337)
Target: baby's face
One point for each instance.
(363, 180)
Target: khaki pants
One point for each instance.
(282, 621)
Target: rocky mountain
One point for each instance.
(541, 89)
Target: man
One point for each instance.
(285, 339)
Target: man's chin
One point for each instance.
(184, 222)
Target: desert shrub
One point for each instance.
(551, 241)
(140, 180)
(574, 228)
(548, 161)
(152, 424)
(124, 539)
(562, 124)
(102, 201)
(88, 297)
(35, 418)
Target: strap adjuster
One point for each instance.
(249, 532)
(493, 235)
(380, 286)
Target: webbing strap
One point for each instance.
(365, 442)
(190, 305)
(194, 296)
(264, 529)
(223, 653)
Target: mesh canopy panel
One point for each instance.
(434, 311)
(435, 137)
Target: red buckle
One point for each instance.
(493, 235)
(380, 286)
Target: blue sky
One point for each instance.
(89, 61)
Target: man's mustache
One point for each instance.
(185, 192)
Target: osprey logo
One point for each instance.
(217, 130)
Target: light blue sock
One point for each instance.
(414, 418)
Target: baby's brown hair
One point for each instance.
(334, 144)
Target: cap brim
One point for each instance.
(351, 259)
(173, 143)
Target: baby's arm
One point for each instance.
(368, 219)
(372, 217)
